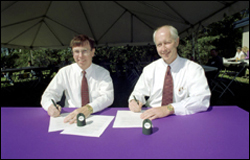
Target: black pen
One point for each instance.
(54, 103)
(136, 100)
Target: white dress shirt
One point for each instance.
(237, 55)
(191, 91)
(69, 78)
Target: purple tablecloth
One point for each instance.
(222, 132)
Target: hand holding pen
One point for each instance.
(136, 99)
(54, 103)
(54, 109)
(135, 105)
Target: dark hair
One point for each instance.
(214, 49)
(80, 39)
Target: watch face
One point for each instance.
(147, 125)
(81, 118)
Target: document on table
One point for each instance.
(127, 119)
(57, 124)
(95, 126)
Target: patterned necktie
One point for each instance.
(167, 92)
(84, 90)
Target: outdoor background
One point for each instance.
(221, 35)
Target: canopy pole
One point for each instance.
(193, 45)
(132, 38)
(31, 56)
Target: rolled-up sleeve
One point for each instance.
(198, 93)
(142, 88)
(53, 91)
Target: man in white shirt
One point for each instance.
(239, 55)
(191, 92)
(69, 80)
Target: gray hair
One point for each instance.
(173, 32)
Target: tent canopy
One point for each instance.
(52, 24)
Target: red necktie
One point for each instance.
(167, 92)
(84, 90)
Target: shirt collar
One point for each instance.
(79, 69)
(174, 64)
(89, 70)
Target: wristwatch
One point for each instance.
(170, 108)
(89, 108)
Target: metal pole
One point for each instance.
(193, 45)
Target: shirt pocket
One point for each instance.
(182, 92)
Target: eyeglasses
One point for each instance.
(85, 52)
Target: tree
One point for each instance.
(221, 35)
(230, 38)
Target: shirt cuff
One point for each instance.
(139, 98)
(46, 105)
(178, 109)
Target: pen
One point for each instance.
(54, 103)
(136, 100)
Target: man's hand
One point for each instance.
(53, 111)
(71, 118)
(134, 107)
(157, 112)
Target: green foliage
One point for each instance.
(230, 38)
(220, 35)
(203, 47)
(123, 54)
(9, 60)
(43, 57)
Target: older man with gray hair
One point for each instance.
(174, 85)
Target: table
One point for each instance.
(221, 132)
(23, 68)
(226, 62)
(209, 68)
(25, 76)
(233, 69)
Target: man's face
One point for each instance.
(166, 46)
(213, 53)
(83, 55)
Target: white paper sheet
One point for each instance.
(128, 119)
(95, 126)
(57, 124)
